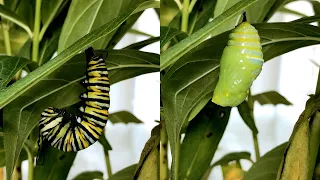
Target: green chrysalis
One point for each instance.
(241, 63)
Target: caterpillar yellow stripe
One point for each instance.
(241, 63)
(69, 132)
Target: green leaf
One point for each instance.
(274, 8)
(13, 17)
(234, 156)
(168, 33)
(174, 53)
(137, 32)
(148, 166)
(200, 14)
(290, 11)
(21, 86)
(48, 46)
(49, 10)
(18, 38)
(86, 16)
(308, 19)
(168, 11)
(257, 12)
(244, 111)
(143, 43)
(200, 68)
(61, 89)
(201, 140)
(2, 153)
(266, 168)
(88, 175)
(56, 164)
(123, 117)
(222, 6)
(124, 174)
(104, 142)
(9, 66)
(271, 97)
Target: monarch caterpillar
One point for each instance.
(241, 63)
(74, 133)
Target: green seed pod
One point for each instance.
(241, 63)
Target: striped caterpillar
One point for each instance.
(74, 133)
(241, 63)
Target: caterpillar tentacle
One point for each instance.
(69, 132)
(241, 63)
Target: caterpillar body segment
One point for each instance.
(241, 63)
(70, 132)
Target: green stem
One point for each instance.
(164, 170)
(6, 37)
(193, 2)
(318, 84)
(36, 31)
(185, 16)
(30, 162)
(17, 175)
(176, 159)
(108, 164)
(254, 136)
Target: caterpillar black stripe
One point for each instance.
(72, 132)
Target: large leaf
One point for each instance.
(143, 43)
(245, 113)
(222, 6)
(61, 89)
(86, 16)
(89, 175)
(308, 19)
(9, 66)
(266, 167)
(124, 174)
(271, 97)
(234, 156)
(104, 142)
(173, 54)
(201, 141)
(123, 117)
(200, 68)
(168, 33)
(12, 16)
(21, 86)
(274, 8)
(56, 164)
(18, 37)
(257, 12)
(49, 10)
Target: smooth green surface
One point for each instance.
(201, 141)
(237, 74)
(124, 174)
(123, 117)
(56, 165)
(266, 167)
(9, 66)
(244, 111)
(271, 97)
(234, 156)
(89, 175)
(168, 33)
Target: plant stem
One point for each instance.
(17, 175)
(6, 37)
(176, 159)
(318, 84)
(185, 16)
(193, 2)
(314, 142)
(254, 136)
(36, 31)
(108, 164)
(164, 170)
(30, 162)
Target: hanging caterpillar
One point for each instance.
(241, 63)
(74, 133)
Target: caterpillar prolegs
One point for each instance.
(241, 63)
(69, 132)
